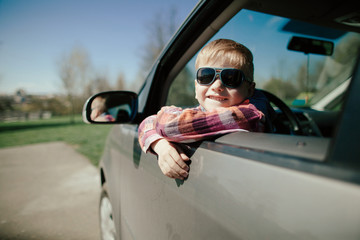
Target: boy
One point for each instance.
(223, 87)
(99, 111)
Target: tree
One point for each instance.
(159, 31)
(283, 89)
(339, 66)
(307, 79)
(182, 91)
(101, 83)
(67, 76)
(74, 68)
(120, 82)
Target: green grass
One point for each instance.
(87, 139)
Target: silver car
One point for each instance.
(300, 181)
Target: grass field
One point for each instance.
(87, 139)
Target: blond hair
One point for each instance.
(229, 52)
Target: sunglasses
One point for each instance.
(230, 77)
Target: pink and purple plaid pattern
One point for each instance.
(192, 124)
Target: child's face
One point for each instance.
(217, 95)
(95, 108)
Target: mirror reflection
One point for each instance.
(99, 110)
(111, 107)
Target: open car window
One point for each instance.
(311, 82)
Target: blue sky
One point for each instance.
(35, 34)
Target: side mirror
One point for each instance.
(110, 107)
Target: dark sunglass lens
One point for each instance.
(205, 75)
(231, 77)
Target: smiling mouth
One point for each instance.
(217, 98)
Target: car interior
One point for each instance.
(298, 54)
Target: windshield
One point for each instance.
(299, 78)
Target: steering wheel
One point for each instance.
(295, 127)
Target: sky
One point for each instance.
(35, 34)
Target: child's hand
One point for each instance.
(171, 159)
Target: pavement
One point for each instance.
(48, 191)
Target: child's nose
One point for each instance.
(217, 84)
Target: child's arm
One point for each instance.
(171, 158)
(147, 133)
(178, 125)
(190, 125)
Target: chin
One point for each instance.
(214, 106)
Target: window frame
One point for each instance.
(335, 164)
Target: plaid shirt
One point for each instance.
(193, 124)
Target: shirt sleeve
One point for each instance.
(147, 133)
(193, 124)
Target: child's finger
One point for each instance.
(176, 164)
(167, 170)
(179, 160)
(176, 171)
(181, 153)
(184, 157)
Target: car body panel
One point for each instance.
(241, 185)
(213, 204)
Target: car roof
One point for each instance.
(343, 15)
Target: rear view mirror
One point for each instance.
(309, 45)
(110, 107)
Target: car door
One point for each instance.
(242, 185)
(249, 185)
(238, 189)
